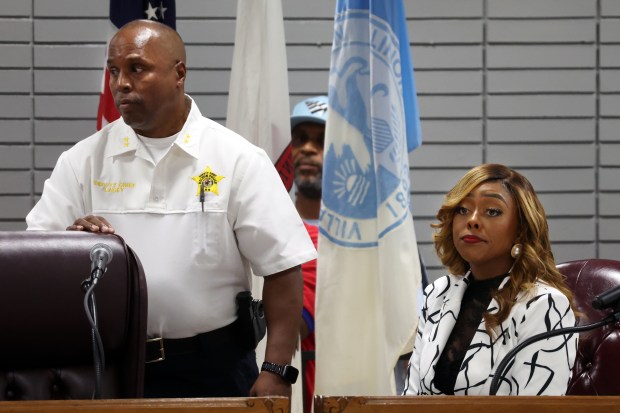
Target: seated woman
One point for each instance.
(504, 287)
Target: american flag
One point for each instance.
(121, 13)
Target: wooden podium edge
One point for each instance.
(466, 404)
(227, 405)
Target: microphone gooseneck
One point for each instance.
(500, 370)
(100, 257)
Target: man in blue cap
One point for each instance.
(307, 139)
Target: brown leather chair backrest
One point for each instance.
(45, 339)
(597, 366)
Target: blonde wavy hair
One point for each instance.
(536, 261)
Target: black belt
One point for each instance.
(157, 349)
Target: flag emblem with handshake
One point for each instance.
(121, 13)
(368, 266)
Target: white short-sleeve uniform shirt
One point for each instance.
(195, 262)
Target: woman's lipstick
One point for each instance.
(471, 239)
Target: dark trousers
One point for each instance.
(218, 369)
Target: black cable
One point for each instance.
(98, 340)
(499, 372)
(90, 308)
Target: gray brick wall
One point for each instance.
(534, 84)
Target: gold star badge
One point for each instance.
(208, 180)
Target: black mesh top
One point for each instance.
(475, 302)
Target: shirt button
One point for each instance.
(156, 198)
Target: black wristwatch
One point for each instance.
(287, 372)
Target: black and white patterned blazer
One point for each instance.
(543, 368)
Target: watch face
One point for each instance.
(290, 374)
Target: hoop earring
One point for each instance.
(516, 250)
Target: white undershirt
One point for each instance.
(157, 147)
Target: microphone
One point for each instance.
(100, 256)
(607, 299)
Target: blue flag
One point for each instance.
(368, 266)
(371, 87)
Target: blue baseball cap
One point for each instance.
(313, 109)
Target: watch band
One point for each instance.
(286, 371)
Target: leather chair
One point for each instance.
(598, 356)
(45, 339)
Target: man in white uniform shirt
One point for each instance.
(201, 206)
